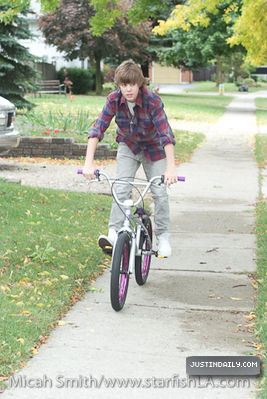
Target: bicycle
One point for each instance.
(133, 246)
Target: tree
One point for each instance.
(197, 45)
(69, 30)
(15, 7)
(249, 29)
(16, 73)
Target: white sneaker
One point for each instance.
(112, 236)
(106, 243)
(164, 247)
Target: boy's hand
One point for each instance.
(88, 171)
(170, 176)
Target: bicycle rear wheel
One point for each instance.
(120, 271)
(142, 263)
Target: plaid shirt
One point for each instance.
(147, 130)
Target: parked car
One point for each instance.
(9, 137)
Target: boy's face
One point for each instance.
(129, 91)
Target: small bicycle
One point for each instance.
(133, 246)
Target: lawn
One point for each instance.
(60, 116)
(228, 87)
(261, 276)
(49, 259)
(186, 143)
(261, 112)
(199, 108)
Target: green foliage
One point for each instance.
(17, 76)
(109, 87)
(83, 79)
(56, 123)
(105, 16)
(42, 254)
(198, 46)
(151, 9)
(74, 37)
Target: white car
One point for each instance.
(9, 137)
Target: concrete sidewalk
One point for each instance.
(194, 302)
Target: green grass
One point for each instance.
(261, 276)
(211, 86)
(261, 309)
(199, 108)
(261, 114)
(186, 143)
(48, 259)
(228, 87)
(59, 116)
(261, 149)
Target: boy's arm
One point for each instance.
(170, 176)
(96, 135)
(167, 140)
(89, 166)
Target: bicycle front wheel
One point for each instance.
(120, 271)
(142, 263)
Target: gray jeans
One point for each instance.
(127, 166)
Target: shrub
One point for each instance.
(249, 81)
(109, 87)
(83, 79)
(108, 73)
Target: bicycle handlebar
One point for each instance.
(97, 174)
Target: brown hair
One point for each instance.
(129, 72)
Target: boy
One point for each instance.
(144, 136)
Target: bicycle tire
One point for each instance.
(142, 263)
(120, 271)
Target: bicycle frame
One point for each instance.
(128, 205)
(135, 233)
(134, 240)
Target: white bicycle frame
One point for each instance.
(128, 204)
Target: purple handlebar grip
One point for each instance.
(180, 178)
(80, 172)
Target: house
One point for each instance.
(260, 72)
(159, 74)
(50, 59)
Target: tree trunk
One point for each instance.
(219, 78)
(98, 78)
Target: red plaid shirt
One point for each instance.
(147, 130)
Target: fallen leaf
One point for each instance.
(212, 250)
(21, 340)
(250, 317)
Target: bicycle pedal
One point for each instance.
(105, 245)
(160, 256)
